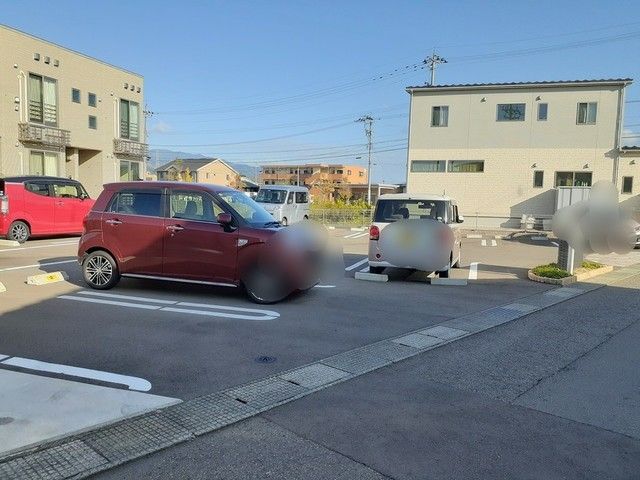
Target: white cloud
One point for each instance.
(160, 127)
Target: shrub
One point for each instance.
(591, 265)
(550, 271)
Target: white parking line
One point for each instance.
(494, 243)
(23, 267)
(364, 270)
(134, 383)
(324, 286)
(555, 244)
(356, 265)
(3, 250)
(473, 271)
(356, 235)
(176, 306)
(483, 243)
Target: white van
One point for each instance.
(287, 204)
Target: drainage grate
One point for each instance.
(208, 413)
(59, 462)
(443, 333)
(416, 340)
(136, 437)
(266, 393)
(314, 375)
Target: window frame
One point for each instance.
(630, 190)
(450, 164)
(91, 95)
(524, 112)
(159, 191)
(128, 135)
(75, 91)
(57, 99)
(441, 163)
(95, 122)
(439, 109)
(587, 122)
(546, 112)
(573, 180)
(205, 196)
(535, 174)
(44, 154)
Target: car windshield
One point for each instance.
(267, 195)
(393, 210)
(246, 207)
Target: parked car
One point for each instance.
(35, 206)
(287, 204)
(418, 232)
(194, 233)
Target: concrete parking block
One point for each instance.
(372, 277)
(474, 235)
(443, 333)
(46, 278)
(416, 340)
(448, 281)
(9, 243)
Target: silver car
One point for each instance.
(418, 232)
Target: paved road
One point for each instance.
(454, 412)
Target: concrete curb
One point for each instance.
(572, 279)
(448, 281)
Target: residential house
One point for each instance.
(200, 170)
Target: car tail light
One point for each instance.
(374, 232)
(4, 204)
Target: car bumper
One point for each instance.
(376, 263)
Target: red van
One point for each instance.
(36, 206)
(195, 233)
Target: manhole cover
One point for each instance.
(265, 359)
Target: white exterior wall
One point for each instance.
(504, 191)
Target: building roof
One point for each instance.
(193, 163)
(70, 50)
(521, 85)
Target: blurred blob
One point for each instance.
(597, 225)
(417, 243)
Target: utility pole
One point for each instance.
(431, 63)
(147, 114)
(368, 130)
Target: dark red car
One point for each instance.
(195, 233)
(38, 206)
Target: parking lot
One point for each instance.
(147, 344)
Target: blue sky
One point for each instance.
(223, 77)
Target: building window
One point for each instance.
(440, 116)
(339, 171)
(129, 120)
(424, 166)
(538, 179)
(627, 184)
(43, 100)
(129, 171)
(75, 95)
(43, 163)
(93, 122)
(511, 112)
(348, 172)
(573, 179)
(543, 109)
(92, 100)
(361, 174)
(587, 113)
(466, 166)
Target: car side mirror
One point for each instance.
(460, 219)
(225, 219)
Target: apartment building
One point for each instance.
(502, 150)
(202, 170)
(63, 113)
(323, 180)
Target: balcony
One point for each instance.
(130, 148)
(43, 135)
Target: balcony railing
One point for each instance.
(130, 148)
(43, 135)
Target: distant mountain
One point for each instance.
(159, 157)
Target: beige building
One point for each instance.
(201, 170)
(502, 149)
(65, 114)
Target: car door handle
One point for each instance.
(175, 228)
(113, 222)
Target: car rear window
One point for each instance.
(145, 203)
(393, 210)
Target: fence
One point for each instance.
(342, 217)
